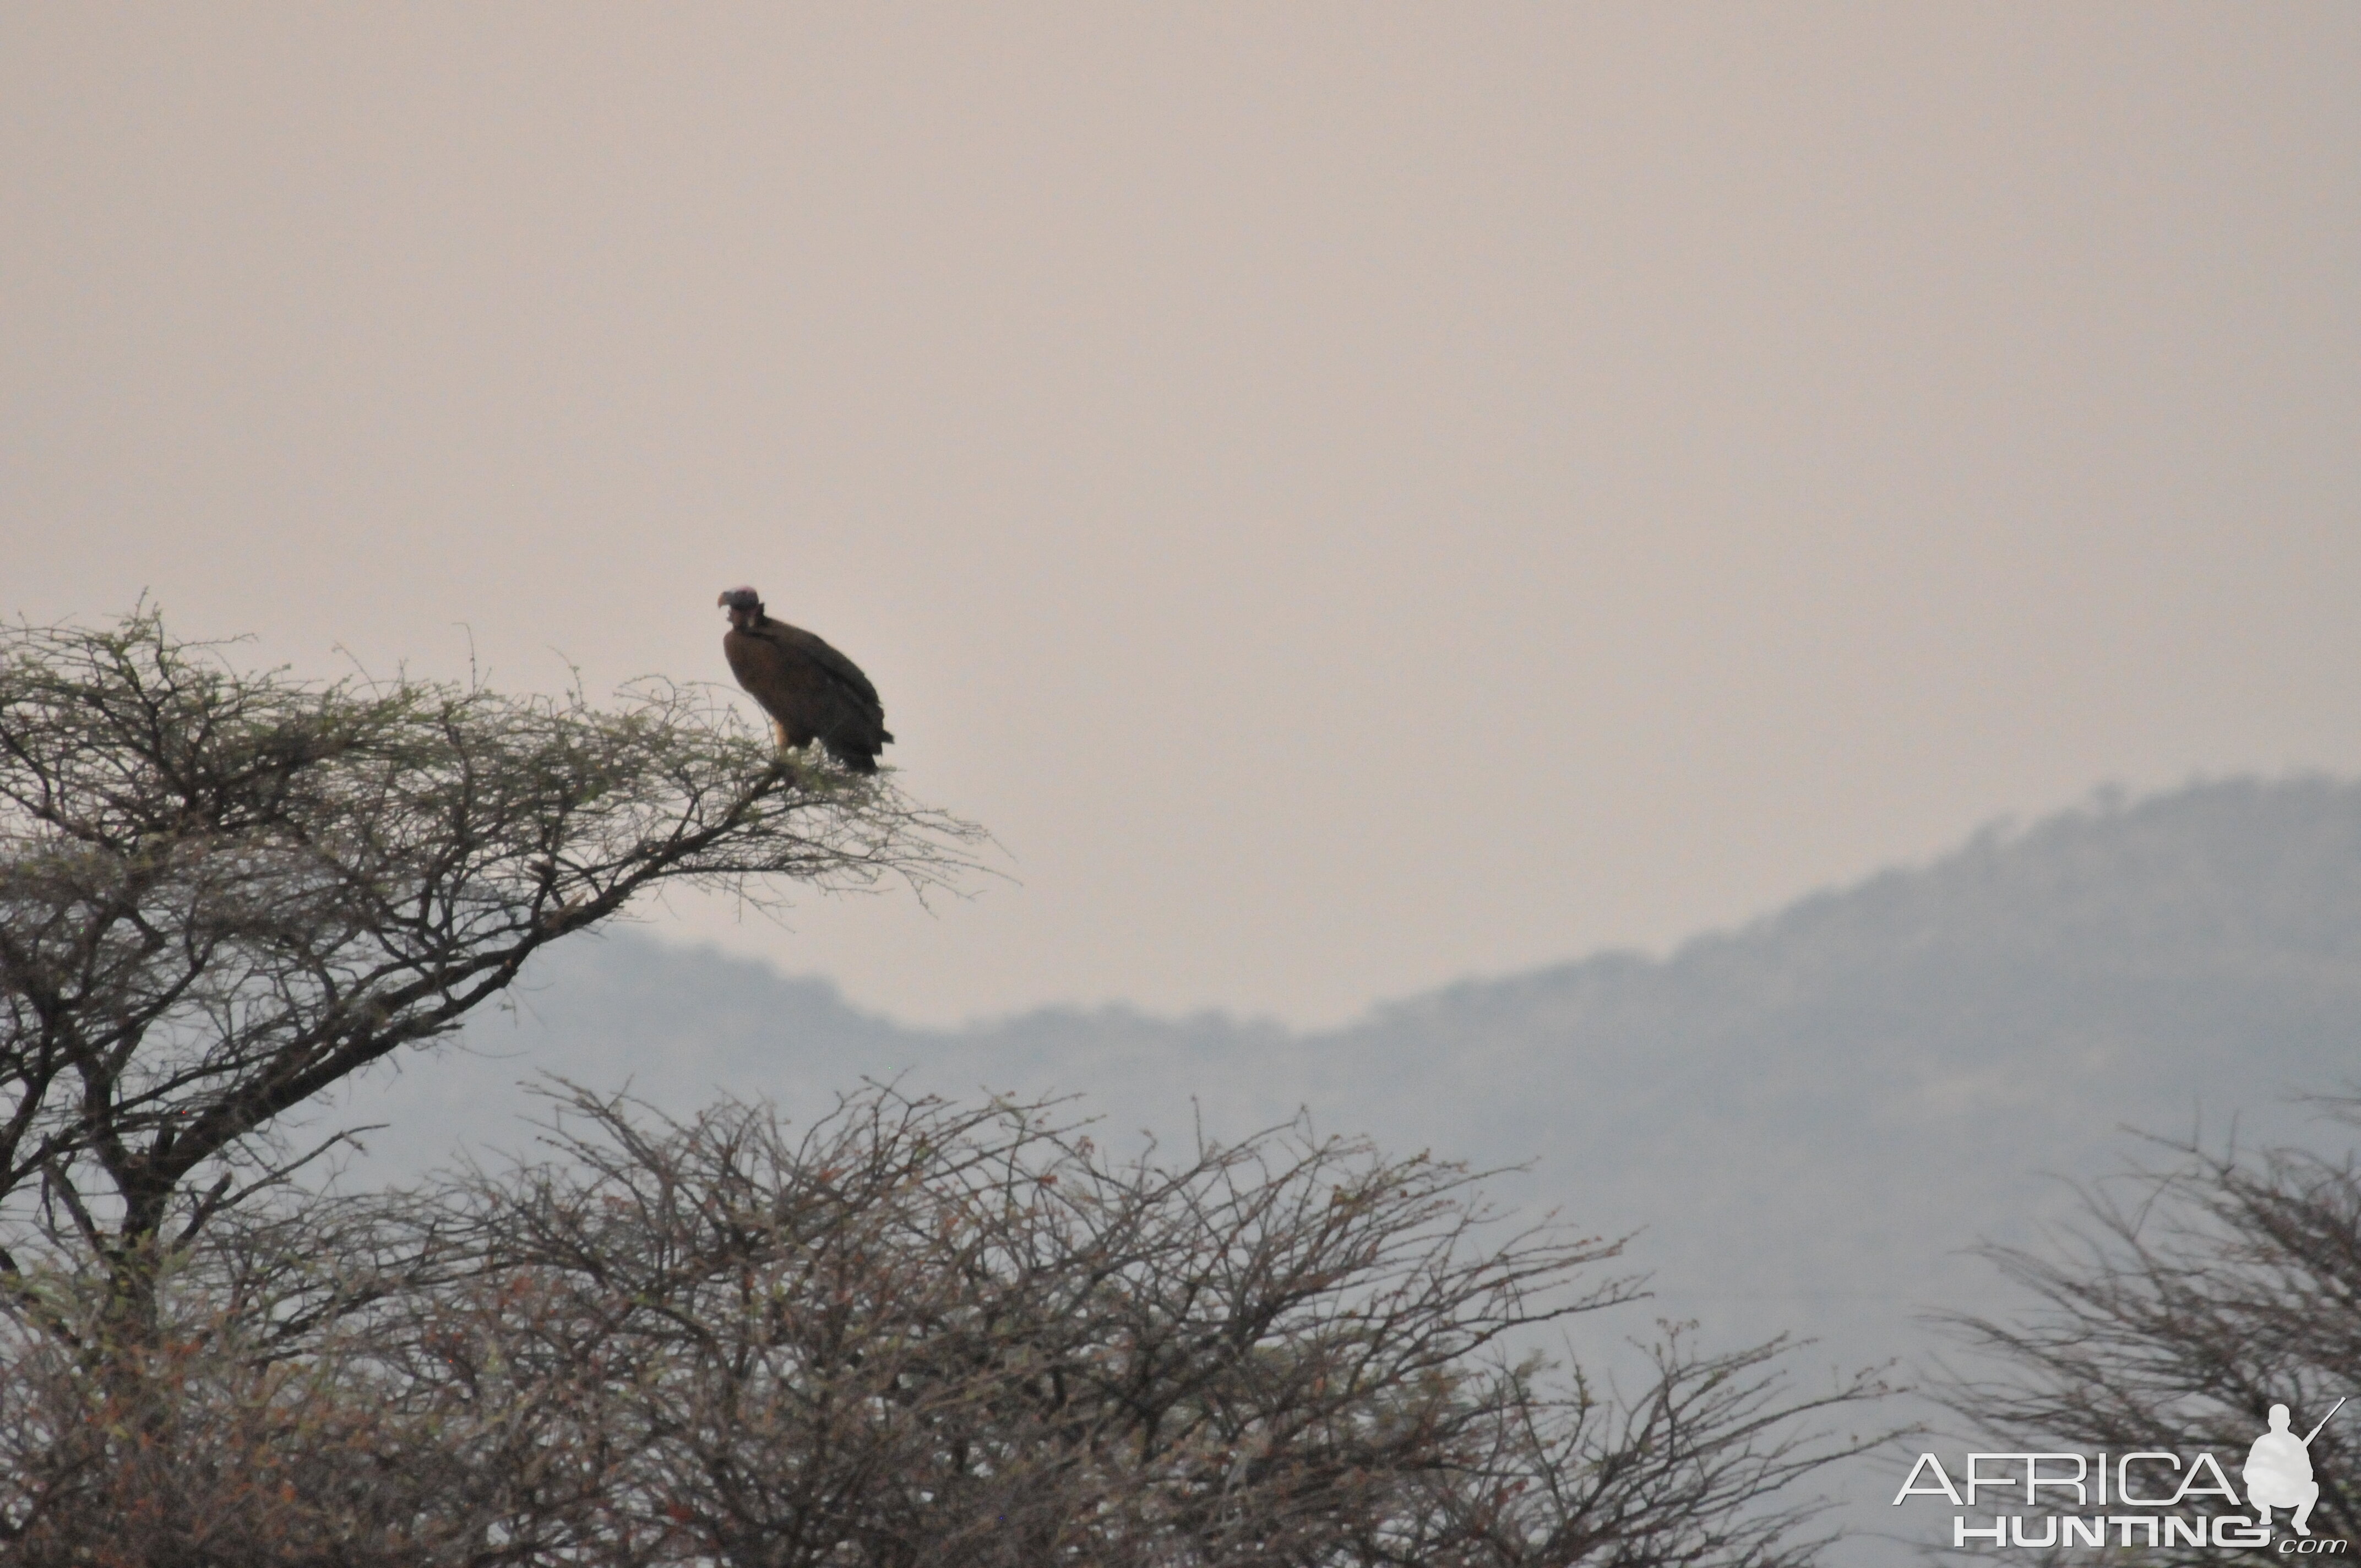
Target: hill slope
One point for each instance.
(1811, 1116)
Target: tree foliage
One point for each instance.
(912, 1333)
(2191, 1299)
(224, 892)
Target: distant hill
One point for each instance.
(1811, 1116)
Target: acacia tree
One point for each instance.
(2192, 1298)
(224, 892)
(914, 1333)
(919, 1333)
(245, 1428)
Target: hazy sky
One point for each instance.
(1351, 495)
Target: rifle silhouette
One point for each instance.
(2324, 1421)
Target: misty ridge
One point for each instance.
(1809, 1121)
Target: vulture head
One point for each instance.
(744, 605)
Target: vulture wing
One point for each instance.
(810, 690)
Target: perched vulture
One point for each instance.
(811, 691)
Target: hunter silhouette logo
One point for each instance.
(2278, 1471)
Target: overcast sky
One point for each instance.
(1351, 495)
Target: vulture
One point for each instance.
(811, 691)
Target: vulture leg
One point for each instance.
(794, 748)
